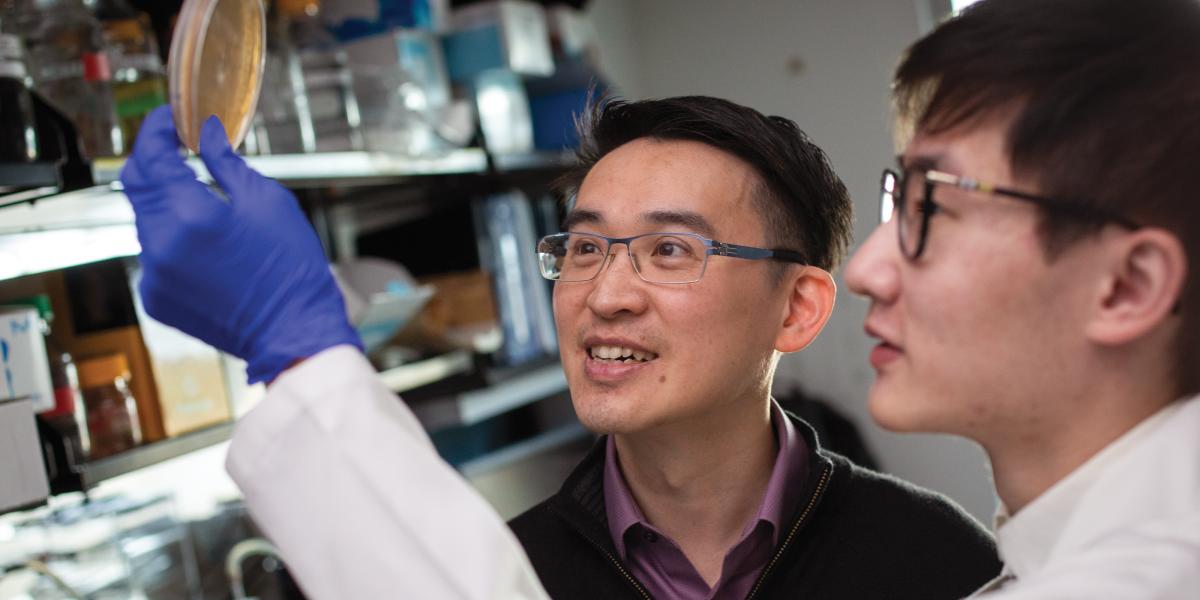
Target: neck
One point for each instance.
(711, 472)
(1031, 459)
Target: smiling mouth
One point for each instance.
(619, 354)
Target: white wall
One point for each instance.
(749, 52)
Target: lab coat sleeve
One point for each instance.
(342, 478)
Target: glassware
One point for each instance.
(139, 80)
(18, 137)
(310, 104)
(216, 66)
(111, 409)
(72, 72)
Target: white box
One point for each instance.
(22, 470)
(24, 365)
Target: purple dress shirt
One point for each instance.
(659, 564)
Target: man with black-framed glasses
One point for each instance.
(1034, 283)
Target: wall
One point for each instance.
(826, 64)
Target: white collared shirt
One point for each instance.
(1125, 524)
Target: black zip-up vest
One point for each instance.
(853, 534)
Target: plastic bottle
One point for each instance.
(308, 99)
(71, 71)
(68, 417)
(139, 82)
(18, 136)
(112, 413)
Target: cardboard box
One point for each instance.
(188, 373)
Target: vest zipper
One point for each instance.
(812, 501)
(616, 563)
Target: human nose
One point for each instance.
(873, 270)
(617, 287)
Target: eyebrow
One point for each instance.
(920, 162)
(686, 219)
(577, 216)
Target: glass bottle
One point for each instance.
(112, 413)
(72, 72)
(18, 136)
(139, 83)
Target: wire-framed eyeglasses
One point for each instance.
(661, 257)
(910, 195)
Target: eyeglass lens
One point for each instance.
(904, 197)
(657, 258)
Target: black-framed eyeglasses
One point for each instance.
(910, 193)
(661, 257)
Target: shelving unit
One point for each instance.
(43, 229)
(471, 407)
(94, 472)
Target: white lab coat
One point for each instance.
(1125, 524)
(342, 478)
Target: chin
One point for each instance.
(603, 414)
(896, 412)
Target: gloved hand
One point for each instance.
(246, 275)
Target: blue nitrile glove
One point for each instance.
(246, 275)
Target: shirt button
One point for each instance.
(651, 537)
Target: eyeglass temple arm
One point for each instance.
(751, 253)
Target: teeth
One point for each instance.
(618, 352)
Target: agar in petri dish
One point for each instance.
(216, 66)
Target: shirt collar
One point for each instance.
(1027, 540)
(783, 486)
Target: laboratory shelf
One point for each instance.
(94, 472)
(65, 230)
(533, 161)
(425, 372)
(474, 406)
(335, 167)
(524, 449)
(27, 175)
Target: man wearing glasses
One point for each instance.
(1042, 296)
(697, 249)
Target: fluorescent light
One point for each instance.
(958, 5)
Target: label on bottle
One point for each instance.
(64, 402)
(95, 67)
(12, 69)
(144, 63)
(10, 47)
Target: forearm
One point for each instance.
(343, 479)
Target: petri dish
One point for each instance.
(215, 66)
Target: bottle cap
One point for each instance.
(99, 371)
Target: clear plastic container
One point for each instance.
(216, 66)
(308, 104)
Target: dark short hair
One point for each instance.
(803, 203)
(1104, 102)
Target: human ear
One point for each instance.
(810, 301)
(1141, 289)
